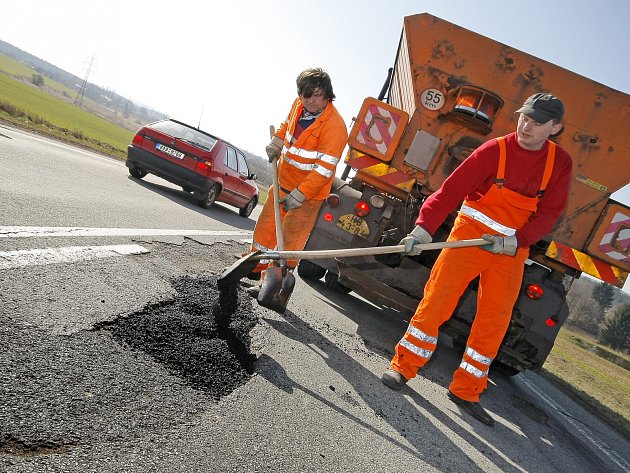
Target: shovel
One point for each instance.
(247, 263)
(278, 282)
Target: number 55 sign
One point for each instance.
(432, 99)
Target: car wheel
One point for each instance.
(208, 199)
(332, 282)
(309, 270)
(249, 208)
(137, 172)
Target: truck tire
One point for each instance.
(308, 270)
(332, 282)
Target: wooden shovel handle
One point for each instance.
(378, 250)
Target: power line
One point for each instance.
(81, 93)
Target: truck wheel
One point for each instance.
(332, 282)
(249, 208)
(208, 199)
(137, 172)
(308, 270)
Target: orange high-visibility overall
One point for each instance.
(499, 211)
(307, 163)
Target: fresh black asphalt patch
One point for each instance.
(140, 373)
(202, 335)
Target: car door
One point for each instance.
(231, 180)
(248, 187)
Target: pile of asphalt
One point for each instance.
(202, 335)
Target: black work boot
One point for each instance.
(473, 408)
(393, 380)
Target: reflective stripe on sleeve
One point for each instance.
(328, 159)
(421, 352)
(476, 372)
(478, 356)
(323, 171)
(487, 221)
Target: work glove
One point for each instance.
(500, 245)
(417, 236)
(274, 148)
(294, 200)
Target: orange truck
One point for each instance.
(450, 90)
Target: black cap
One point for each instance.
(543, 107)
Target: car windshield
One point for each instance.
(185, 133)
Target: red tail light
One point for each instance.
(361, 209)
(204, 165)
(328, 217)
(550, 322)
(534, 291)
(137, 139)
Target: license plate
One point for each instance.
(353, 224)
(170, 151)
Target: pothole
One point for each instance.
(14, 446)
(202, 335)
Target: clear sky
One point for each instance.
(231, 65)
(234, 63)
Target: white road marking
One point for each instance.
(67, 254)
(25, 232)
(578, 426)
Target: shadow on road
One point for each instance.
(224, 213)
(418, 421)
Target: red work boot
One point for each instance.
(473, 408)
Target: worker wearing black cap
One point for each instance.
(513, 189)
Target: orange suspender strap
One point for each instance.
(499, 180)
(551, 157)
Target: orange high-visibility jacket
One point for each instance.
(309, 163)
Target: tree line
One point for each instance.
(601, 310)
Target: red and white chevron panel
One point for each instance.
(617, 238)
(378, 128)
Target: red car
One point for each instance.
(199, 162)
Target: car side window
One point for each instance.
(230, 159)
(243, 170)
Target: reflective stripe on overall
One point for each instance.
(502, 211)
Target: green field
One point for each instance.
(25, 105)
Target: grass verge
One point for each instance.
(583, 368)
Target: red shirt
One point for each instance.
(523, 174)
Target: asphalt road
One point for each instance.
(109, 363)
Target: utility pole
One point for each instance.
(81, 93)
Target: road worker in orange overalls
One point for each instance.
(308, 144)
(514, 189)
